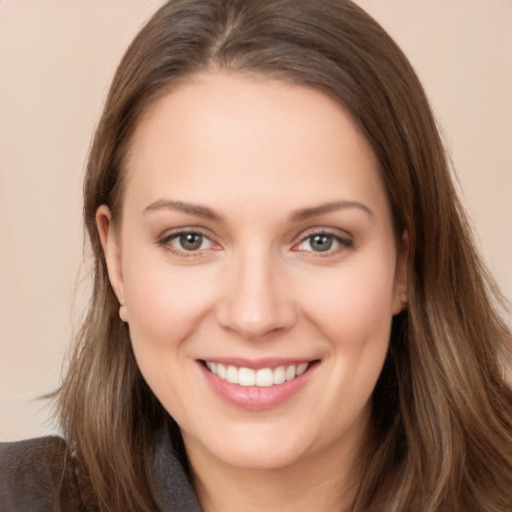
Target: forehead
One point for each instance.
(225, 133)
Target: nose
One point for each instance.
(256, 301)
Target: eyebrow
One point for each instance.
(307, 213)
(193, 209)
(296, 216)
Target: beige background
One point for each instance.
(56, 61)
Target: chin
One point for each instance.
(262, 459)
(254, 447)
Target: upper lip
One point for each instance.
(257, 364)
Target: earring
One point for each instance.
(123, 313)
(404, 302)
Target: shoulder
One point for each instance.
(37, 474)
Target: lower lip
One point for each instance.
(256, 397)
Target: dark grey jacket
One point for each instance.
(38, 476)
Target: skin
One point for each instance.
(255, 152)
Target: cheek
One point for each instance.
(165, 307)
(164, 303)
(354, 305)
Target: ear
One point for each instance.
(401, 275)
(111, 249)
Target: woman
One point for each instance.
(288, 310)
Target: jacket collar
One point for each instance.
(174, 490)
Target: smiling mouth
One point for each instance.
(263, 377)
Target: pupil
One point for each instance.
(321, 243)
(191, 241)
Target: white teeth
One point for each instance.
(279, 375)
(264, 377)
(301, 369)
(246, 377)
(290, 372)
(221, 371)
(232, 374)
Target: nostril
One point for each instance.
(254, 318)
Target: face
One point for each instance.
(258, 265)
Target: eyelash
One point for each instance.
(344, 243)
(164, 242)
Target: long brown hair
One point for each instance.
(442, 430)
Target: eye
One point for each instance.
(190, 242)
(184, 242)
(323, 243)
(319, 243)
